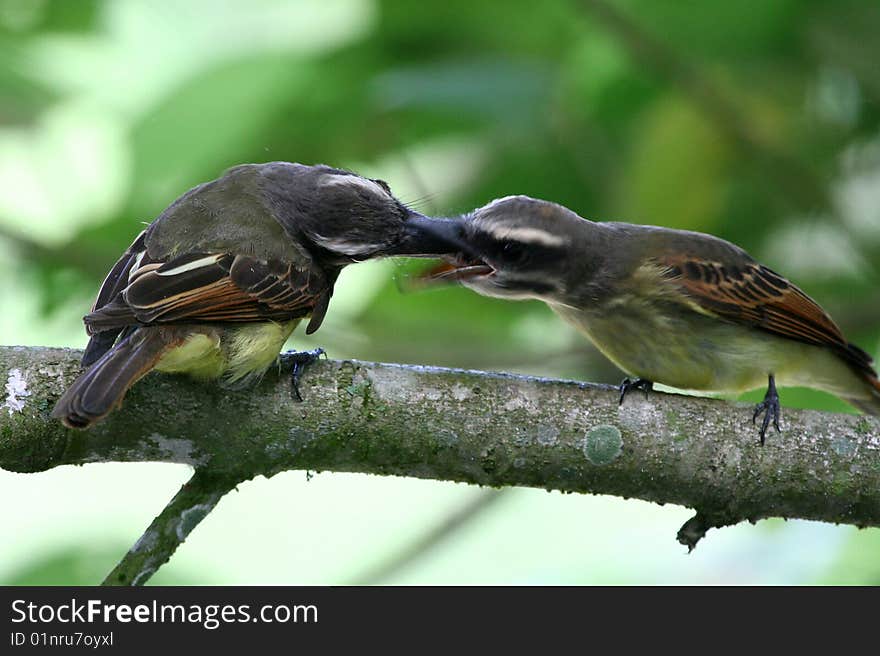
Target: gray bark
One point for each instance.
(484, 428)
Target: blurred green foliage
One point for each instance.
(756, 121)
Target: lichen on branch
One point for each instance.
(457, 425)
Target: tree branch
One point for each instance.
(190, 505)
(489, 429)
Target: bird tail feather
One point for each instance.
(103, 386)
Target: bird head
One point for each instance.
(348, 217)
(515, 247)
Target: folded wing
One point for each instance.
(208, 287)
(751, 294)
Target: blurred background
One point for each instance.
(755, 121)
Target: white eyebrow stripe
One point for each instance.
(497, 201)
(332, 180)
(189, 266)
(524, 235)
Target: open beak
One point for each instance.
(455, 269)
(444, 238)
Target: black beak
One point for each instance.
(426, 236)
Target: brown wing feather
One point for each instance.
(754, 295)
(211, 287)
(113, 284)
(117, 279)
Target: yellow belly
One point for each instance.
(235, 353)
(692, 351)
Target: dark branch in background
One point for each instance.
(801, 185)
(488, 429)
(449, 526)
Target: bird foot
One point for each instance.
(301, 360)
(770, 408)
(638, 383)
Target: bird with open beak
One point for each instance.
(684, 309)
(218, 282)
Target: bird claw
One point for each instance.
(301, 360)
(771, 409)
(638, 383)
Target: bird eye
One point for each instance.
(514, 251)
